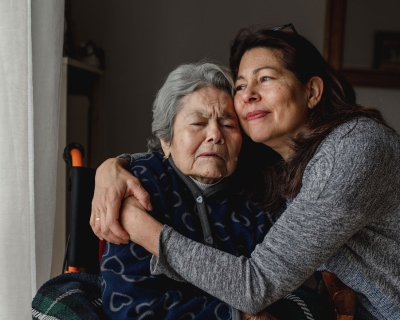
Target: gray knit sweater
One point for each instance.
(346, 219)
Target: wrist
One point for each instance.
(153, 235)
(144, 230)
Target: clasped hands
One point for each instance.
(119, 213)
(119, 208)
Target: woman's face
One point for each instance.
(270, 102)
(207, 138)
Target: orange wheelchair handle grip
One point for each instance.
(77, 158)
(73, 154)
(73, 269)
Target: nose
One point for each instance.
(250, 93)
(214, 134)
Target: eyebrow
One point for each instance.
(255, 71)
(224, 115)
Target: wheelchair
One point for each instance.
(76, 293)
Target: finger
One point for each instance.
(111, 220)
(118, 231)
(95, 224)
(140, 194)
(111, 238)
(109, 224)
(107, 233)
(98, 222)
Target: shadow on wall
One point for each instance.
(144, 41)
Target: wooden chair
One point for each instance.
(340, 297)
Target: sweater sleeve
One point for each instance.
(346, 185)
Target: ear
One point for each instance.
(315, 89)
(166, 148)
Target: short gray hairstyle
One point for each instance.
(181, 82)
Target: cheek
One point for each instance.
(238, 142)
(237, 103)
(235, 146)
(294, 119)
(186, 147)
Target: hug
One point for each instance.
(314, 184)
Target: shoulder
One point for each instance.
(363, 130)
(361, 138)
(359, 150)
(149, 162)
(152, 169)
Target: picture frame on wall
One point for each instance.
(387, 50)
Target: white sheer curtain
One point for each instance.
(31, 37)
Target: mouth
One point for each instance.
(257, 114)
(211, 155)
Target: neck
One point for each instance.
(204, 186)
(285, 151)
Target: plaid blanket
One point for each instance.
(77, 296)
(69, 296)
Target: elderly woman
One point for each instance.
(188, 174)
(340, 178)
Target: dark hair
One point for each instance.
(283, 180)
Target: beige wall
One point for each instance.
(145, 40)
(364, 18)
(386, 100)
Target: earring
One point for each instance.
(166, 156)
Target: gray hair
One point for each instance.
(181, 82)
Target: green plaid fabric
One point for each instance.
(69, 296)
(77, 296)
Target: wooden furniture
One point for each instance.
(334, 41)
(340, 297)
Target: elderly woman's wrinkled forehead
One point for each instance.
(209, 101)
